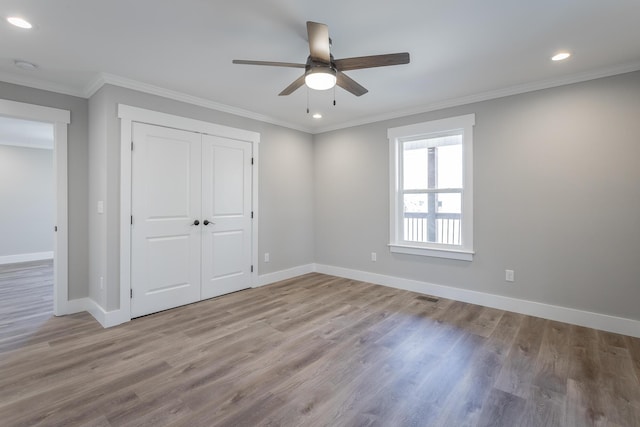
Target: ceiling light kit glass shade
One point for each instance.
(19, 22)
(320, 78)
(560, 56)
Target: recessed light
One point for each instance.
(317, 116)
(560, 56)
(25, 65)
(19, 22)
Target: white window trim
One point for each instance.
(426, 129)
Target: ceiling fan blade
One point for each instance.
(268, 63)
(350, 85)
(371, 61)
(293, 86)
(319, 42)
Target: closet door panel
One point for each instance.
(226, 207)
(166, 200)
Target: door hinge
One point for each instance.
(252, 160)
(251, 214)
(131, 219)
(252, 268)
(131, 145)
(55, 228)
(130, 293)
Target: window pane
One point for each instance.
(432, 163)
(432, 218)
(416, 203)
(449, 165)
(416, 168)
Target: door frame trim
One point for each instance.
(129, 114)
(60, 119)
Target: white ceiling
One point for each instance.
(461, 50)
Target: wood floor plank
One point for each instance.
(464, 406)
(315, 350)
(585, 405)
(516, 376)
(622, 396)
(501, 409)
(633, 345)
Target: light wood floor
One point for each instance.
(311, 351)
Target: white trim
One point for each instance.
(34, 256)
(589, 319)
(40, 145)
(73, 306)
(459, 255)
(151, 117)
(60, 120)
(125, 215)
(254, 208)
(107, 319)
(276, 276)
(127, 115)
(96, 311)
(38, 113)
(41, 84)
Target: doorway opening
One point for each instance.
(26, 217)
(18, 115)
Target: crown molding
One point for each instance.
(40, 84)
(112, 79)
(486, 96)
(105, 78)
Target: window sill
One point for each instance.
(460, 255)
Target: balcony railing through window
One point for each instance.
(423, 227)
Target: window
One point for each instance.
(432, 188)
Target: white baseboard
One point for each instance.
(106, 318)
(589, 319)
(268, 278)
(73, 306)
(35, 256)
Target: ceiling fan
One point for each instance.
(322, 71)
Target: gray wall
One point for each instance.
(556, 194)
(26, 197)
(97, 192)
(77, 174)
(557, 198)
(285, 184)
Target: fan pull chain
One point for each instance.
(334, 96)
(307, 100)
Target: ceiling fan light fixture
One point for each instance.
(320, 78)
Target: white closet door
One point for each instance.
(166, 200)
(226, 206)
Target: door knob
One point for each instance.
(196, 222)
(207, 222)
